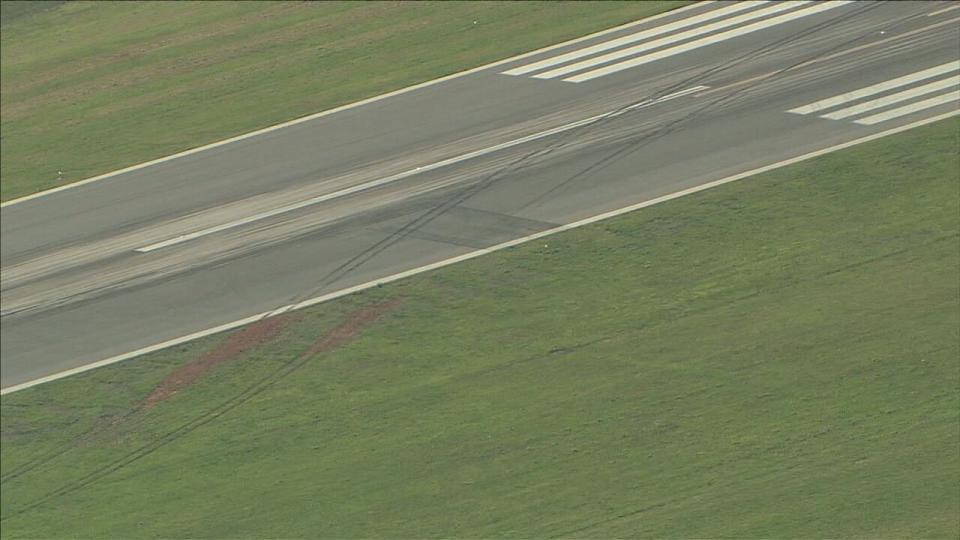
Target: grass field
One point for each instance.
(90, 87)
(774, 358)
(20, 9)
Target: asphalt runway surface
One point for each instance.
(243, 228)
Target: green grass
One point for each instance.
(89, 87)
(774, 358)
(18, 9)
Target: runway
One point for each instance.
(473, 161)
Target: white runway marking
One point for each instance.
(846, 97)
(704, 42)
(952, 97)
(653, 44)
(875, 97)
(669, 40)
(944, 10)
(633, 38)
(467, 256)
(406, 174)
(905, 95)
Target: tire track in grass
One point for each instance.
(495, 177)
(236, 345)
(341, 335)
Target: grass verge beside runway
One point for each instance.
(776, 357)
(91, 87)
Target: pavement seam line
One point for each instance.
(467, 256)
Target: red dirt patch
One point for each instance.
(350, 329)
(258, 334)
(237, 344)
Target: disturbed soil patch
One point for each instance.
(350, 329)
(237, 344)
(261, 333)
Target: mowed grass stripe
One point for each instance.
(773, 358)
(91, 87)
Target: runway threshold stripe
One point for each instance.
(905, 95)
(633, 38)
(710, 40)
(911, 108)
(671, 39)
(847, 97)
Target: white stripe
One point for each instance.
(840, 99)
(944, 10)
(406, 174)
(373, 99)
(633, 38)
(671, 39)
(911, 108)
(905, 95)
(460, 258)
(710, 40)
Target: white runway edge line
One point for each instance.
(672, 38)
(709, 40)
(314, 116)
(633, 38)
(406, 174)
(467, 256)
(846, 97)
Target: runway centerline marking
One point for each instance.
(406, 174)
